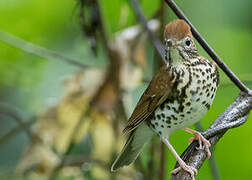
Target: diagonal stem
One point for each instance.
(16, 114)
(38, 50)
(207, 47)
(154, 39)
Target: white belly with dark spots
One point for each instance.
(199, 97)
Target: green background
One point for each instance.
(33, 83)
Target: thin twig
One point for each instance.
(207, 47)
(38, 50)
(16, 130)
(154, 39)
(13, 112)
(17, 115)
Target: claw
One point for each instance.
(202, 140)
(191, 170)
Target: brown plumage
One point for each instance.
(177, 29)
(160, 85)
(155, 94)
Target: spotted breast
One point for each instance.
(192, 95)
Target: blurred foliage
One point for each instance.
(35, 84)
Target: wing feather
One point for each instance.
(155, 94)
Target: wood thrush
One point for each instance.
(179, 95)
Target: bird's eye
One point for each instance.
(188, 42)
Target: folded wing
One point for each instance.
(155, 94)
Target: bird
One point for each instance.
(179, 95)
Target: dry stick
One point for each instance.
(207, 48)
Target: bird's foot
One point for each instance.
(198, 136)
(191, 170)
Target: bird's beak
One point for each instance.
(169, 43)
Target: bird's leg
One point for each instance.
(191, 170)
(198, 136)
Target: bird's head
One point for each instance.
(179, 44)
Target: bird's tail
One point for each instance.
(134, 144)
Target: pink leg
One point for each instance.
(191, 170)
(200, 138)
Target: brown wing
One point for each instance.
(155, 94)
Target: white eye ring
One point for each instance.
(188, 41)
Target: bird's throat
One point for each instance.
(175, 58)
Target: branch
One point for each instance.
(207, 47)
(154, 39)
(235, 115)
(16, 130)
(37, 50)
(16, 114)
